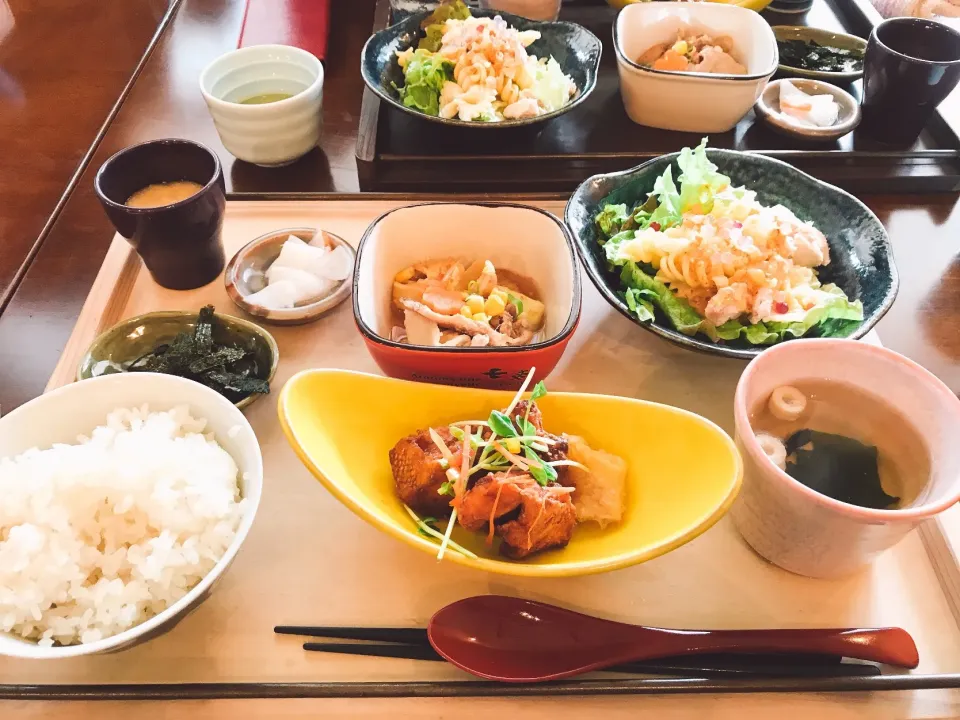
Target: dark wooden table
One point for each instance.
(63, 65)
(923, 324)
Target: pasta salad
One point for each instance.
(478, 69)
(714, 260)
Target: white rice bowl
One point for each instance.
(105, 537)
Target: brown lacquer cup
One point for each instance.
(179, 243)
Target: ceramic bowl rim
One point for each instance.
(104, 168)
(678, 75)
(503, 124)
(222, 104)
(692, 342)
(310, 311)
(769, 115)
(503, 567)
(135, 633)
(827, 75)
(926, 22)
(842, 346)
(370, 335)
(179, 314)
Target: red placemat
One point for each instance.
(301, 23)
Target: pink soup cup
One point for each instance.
(811, 534)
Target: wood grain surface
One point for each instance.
(63, 65)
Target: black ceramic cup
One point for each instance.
(911, 65)
(179, 243)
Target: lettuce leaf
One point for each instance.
(681, 315)
(668, 210)
(699, 179)
(425, 75)
(836, 316)
(611, 219)
(434, 23)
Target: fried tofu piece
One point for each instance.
(419, 473)
(601, 491)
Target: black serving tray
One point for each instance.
(397, 152)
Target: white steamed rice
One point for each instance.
(98, 537)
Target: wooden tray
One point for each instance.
(399, 152)
(308, 560)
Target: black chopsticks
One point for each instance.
(413, 644)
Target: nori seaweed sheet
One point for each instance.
(231, 370)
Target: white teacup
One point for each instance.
(273, 133)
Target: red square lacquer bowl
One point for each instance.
(521, 239)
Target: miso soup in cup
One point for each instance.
(846, 447)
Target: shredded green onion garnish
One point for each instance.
(432, 532)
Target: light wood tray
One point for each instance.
(308, 560)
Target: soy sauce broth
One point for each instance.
(841, 409)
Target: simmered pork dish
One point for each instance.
(509, 478)
(456, 303)
(693, 51)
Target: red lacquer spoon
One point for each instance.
(514, 640)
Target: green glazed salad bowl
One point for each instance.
(576, 50)
(861, 258)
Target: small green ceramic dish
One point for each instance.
(786, 33)
(137, 336)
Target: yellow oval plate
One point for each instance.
(684, 471)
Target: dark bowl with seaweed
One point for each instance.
(235, 357)
(576, 50)
(810, 52)
(862, 263)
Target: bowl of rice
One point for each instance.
(123, 499)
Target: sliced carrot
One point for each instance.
(671, 60)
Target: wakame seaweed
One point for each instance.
(839, 467)
(230, 369)
(811, 55)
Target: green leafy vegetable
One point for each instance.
(539, 390)
(835, 316)
(433, 24)
(230, 369)
(611, 219)
(838, 467)
(668, 211)
(502, 425)
(446, 488)
(641, 303)
(424, 76)
(681, 315)
(539, 470)
(526, 427)
(699, 179)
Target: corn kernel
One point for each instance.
(680, 47)
(475, 303)
(500, 293)
(465, 311)
(481, 317)
(513, 445)
(494, 306)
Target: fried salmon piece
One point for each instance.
(418, 472)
